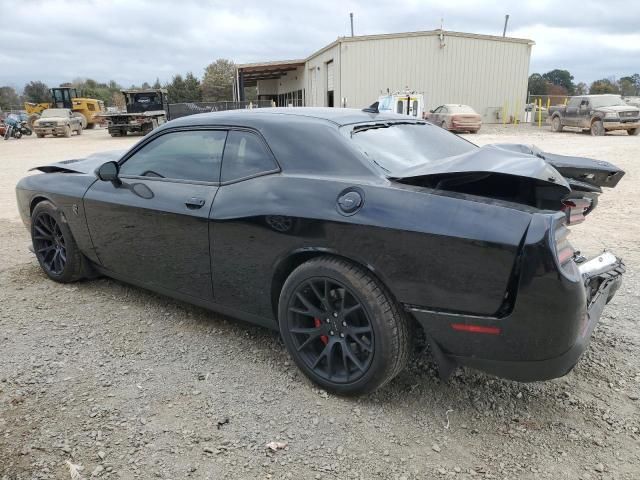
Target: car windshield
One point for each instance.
(607, 101)
(55, 112)
(397, 146)
(460, 109)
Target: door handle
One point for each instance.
(194, 203)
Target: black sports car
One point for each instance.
(346, 230)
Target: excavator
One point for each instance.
(67, 97)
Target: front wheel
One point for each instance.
(634, 131)
(54, 245)
(67, 131)
(341, 326)
(597, 128)
(556, 124)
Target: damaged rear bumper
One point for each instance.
(602, 277)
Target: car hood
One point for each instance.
(50, 119)
(617, 108)
(521, 161)
(81, 165)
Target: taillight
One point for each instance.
(564, 250)
(574, 209)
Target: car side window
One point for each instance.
(188, 155)
(437, 110)
(245, 155)
(574, 102)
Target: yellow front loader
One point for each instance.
(67, 97)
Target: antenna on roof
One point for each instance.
(506, 21)
(373, 108)
(351, 18)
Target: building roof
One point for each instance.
(252, 72)
(424, 33)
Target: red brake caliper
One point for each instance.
(317, 323)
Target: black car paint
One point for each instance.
(443, 255)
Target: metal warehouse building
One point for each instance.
(489, 73)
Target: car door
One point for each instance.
(571, 111)
(153, 227)
(583, 118)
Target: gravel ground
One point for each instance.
(128, 384)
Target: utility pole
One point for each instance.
(351, 18)
(506, 21)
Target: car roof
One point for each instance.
(338, 116)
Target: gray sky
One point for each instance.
(138, 40)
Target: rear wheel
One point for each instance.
(54, 245)
(40, 135)
(634, 131)
(556, 124)
(597, 128)
(341, 326)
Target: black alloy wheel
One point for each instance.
(49, 244)
(331, 330)
(54, 245)
(342, 327)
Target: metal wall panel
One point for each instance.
(484, 73)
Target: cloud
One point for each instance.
(139, 40)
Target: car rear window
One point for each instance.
(397, 146)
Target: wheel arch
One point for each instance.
(289, 262)
(36, 200)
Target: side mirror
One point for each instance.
(108, 172)
(430, 111)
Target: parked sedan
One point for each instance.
(345, 230)
(457, 118)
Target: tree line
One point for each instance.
(559, 83)
(216, 85)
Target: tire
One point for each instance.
(634, 131)
(40, 135)
(597, 128)
(355, 340)
(17, 134)
(556, 124)
(67, 131)
(55, 247)
(91, 126)
(79, 131)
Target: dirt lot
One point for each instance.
(129, 384)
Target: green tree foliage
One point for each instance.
(177, 90)
(537, 84)
(8, 98)
(217, 83)
(630, 85)
(37, 92)
(603, 86)
(581, 89)
(193, 93)
(562, 78)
